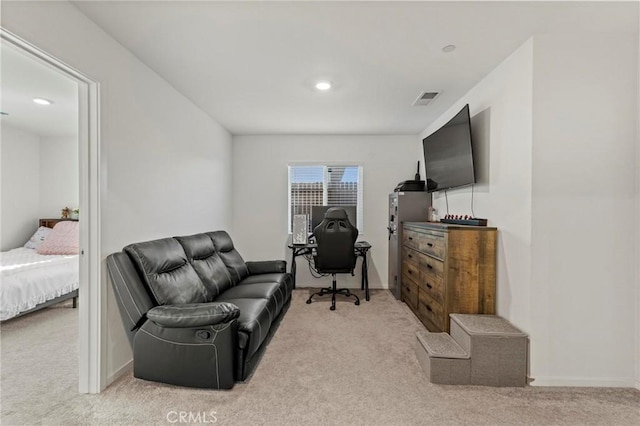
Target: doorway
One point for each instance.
(91, 315)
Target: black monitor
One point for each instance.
(318, 212)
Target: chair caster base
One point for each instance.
(333, 308)
(357, 302)
(309, 302)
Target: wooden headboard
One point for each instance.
(50, 223)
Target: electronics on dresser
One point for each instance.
(411, 185)
(463, 220)
(300, 228)
(448, 154)
(318, 212)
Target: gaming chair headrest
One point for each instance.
(336, 213)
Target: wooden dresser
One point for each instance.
(448, 269)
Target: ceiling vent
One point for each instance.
(425, 98)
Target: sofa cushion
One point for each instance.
(268, 291)
(166, 272)
(253, 324)
(193, 314)
(233, 261)
(264, 284)
(266, 267)
(206, 261)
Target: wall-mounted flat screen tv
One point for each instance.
(448, 156)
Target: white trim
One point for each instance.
(92, 318)
(603, 382)
(325, 184)
(127, 367)
(289, 219)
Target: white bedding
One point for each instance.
(29, 278)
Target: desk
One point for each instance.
(361, 249)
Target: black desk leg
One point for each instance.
(293, 267)
(364, 260)
(365, 276)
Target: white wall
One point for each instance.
(260, 192)
(59, 175)
(20, 180)
(166, 164)
(501, 112)
(558, 148)
(584, 280)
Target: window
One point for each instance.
(324, 185)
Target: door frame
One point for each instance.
(91, 315)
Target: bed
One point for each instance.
(31, 281)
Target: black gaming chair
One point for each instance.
(335, 237)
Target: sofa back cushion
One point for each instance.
(166, 271)
(207, 263)
(233, 261)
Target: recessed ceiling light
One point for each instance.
(448, 48)
(323, 85)
(42, 101)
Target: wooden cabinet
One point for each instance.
(448, 269)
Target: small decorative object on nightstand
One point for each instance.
(65, 213)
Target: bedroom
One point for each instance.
(142, 112)
(39, 179)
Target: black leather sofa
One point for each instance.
(195, 312)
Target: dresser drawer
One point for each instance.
(411, 270)
(411, 239)
(430, 243)
(430, 310)
(433, 286)
(433, 244)
(411, 256)
(410, 292)
(431, 266)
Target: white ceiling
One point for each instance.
(24, 78)
(251, 65)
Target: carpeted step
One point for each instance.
(498, 349)
(442, 359)
(441, 345)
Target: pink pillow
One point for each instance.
(63, 239)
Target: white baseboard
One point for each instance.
(119, 372)
(603, 382)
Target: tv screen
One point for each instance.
(448, 157)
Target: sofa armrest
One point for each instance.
(193, 314)
(267, 267)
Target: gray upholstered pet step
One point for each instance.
(441, 345)
(486, 325)
(498, 349)
(442, 359)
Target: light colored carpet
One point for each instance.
(353, 366)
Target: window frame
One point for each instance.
(325, 174)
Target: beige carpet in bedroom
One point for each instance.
(354, 366)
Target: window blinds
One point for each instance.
(323, 185)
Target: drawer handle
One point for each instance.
(430, 244)
(411, 238)
(429, 266)
(410, 272)
(429, 286)
(428, 308)
(409, 256)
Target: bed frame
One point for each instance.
(50, 223)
